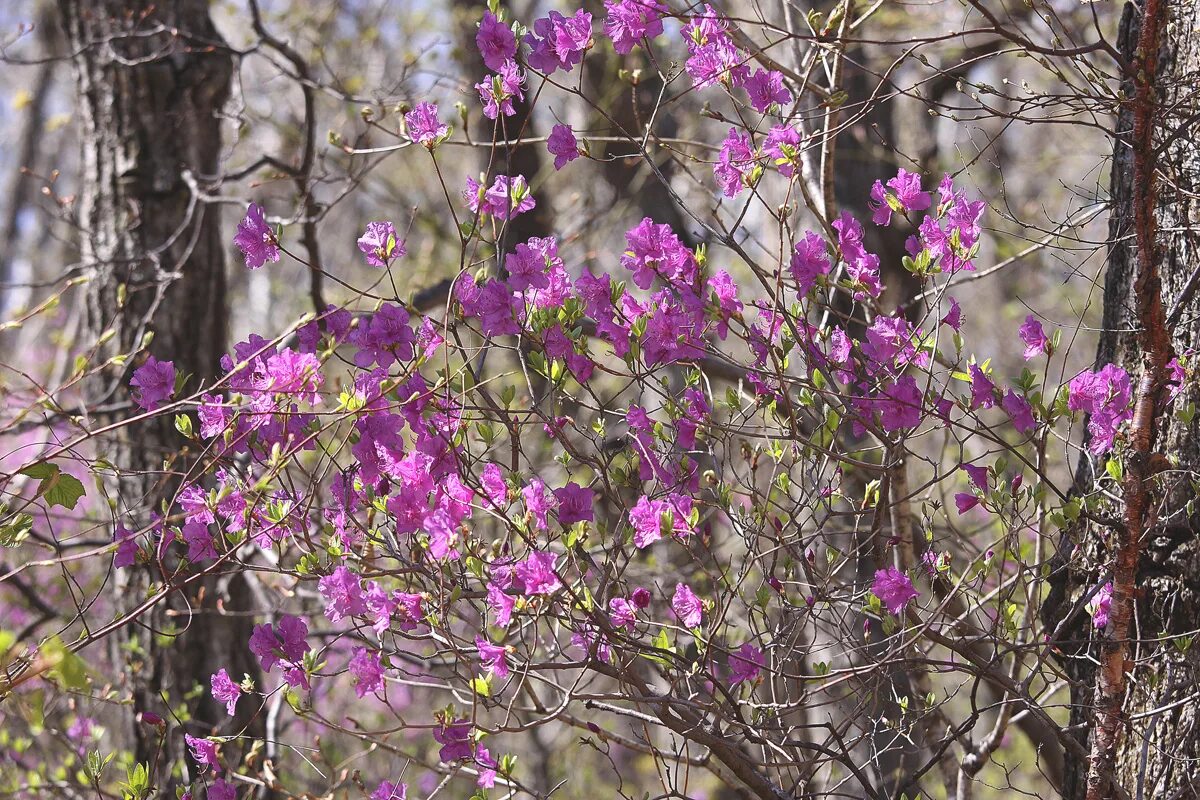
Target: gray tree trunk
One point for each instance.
(152, 78)
(1159, 751)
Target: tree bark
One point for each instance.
(152, 78)
(1133, 684)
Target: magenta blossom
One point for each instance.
(493, 656)
(224, 690)
(505, 198)
(537, 573)
(255, 238)
(562, 145)
(687, 606)
(894, 588)
(630, 21)
(367, 668)
(1100, 606)
(423, 125)
(1035, 339)
(1105, 395)
(496, 42)
(390, 791)
(204, 752)
(745, 664)
(380, 244)
(905, 195)
(154, 382)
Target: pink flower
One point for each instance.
(1105, 395)
(204, 752)
(1034, 337)
(380, 245)
(977, 474)
(497, 92)
(965, 501)
(559, 42)
(906, 194)
(641, 597)
(766, 89)
(220, 790)
(745, 664)
(810, 260)
(574, 504)
(367, 668)
(505, 198)
(562, 145)
(496, 42)
(493, 656)
(224, 690)
(255, 238)
(622, 612)
(537, 573)
(423, 125)
(894, 588)
(127, 547)
(1019, 411)
(953, 317)
(538, 502)
(687, 606)
(288, 641)
(630, 21)
(390, 791)
(455, 739)
(983, 391)
(1100, 606)
(735, 167)
(343, 594)
(154, 382)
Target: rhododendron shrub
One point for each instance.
(675, 507)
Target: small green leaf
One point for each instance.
(59, 488)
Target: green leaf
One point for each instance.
(59, 488)
(67, 667)
(16, 530)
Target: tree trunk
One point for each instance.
(152, 79)
(1156, 747)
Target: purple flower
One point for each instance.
(423, 125)
(687, 606)
(735, 168)
(367, 668)
(204, 752)
(538, 503)
(390, 791)
(894, 588)
(1100, 606)
(630, 21)
(983, 391)
(810, 260)
(380, 245)
(255, 238)
(496, 42)
(953, 317)
(900, 404)
(965, 501)
(905, 195)
(154, 382)
(127, 547)
(562, 145)
(498, 91)
(574, 504)
(745, 664)
(622, 612)
(531, 263)
(493, 656)
(286, 641)
(1019, 411)
(455, 739)
(505, 198)
(655, 250)
(224, 690)
(1034, 337)
(343, 594)
(641, 597)
(220, 790)
(537, 573)
(559, 42)
(782, 146)
(978, 476)
(1105, 395)
(766, 89)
